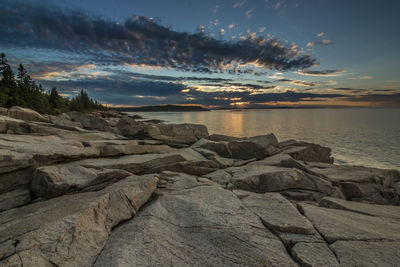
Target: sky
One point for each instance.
(220, 54)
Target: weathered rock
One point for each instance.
(14, 126)
(334, 225)
(15, 198)
(70, 230)
(265, 141)
(204, 225)
(110, 148)
(183, 160)
(177, 133)
(280, 217)
(11, 160)
(221, 177)
(52, 181)
(222, 138)
(10, 125)
(307, 151)
(285, 160)
(130, 127)
(16, 179)
(252, 148)
(3, 111)
(41, 150)
(313, 255)
(246, 150)
(221, 148)
(278, 213)
(368, 254)
(358, 182)
(64, 120)
(261, 179)
(131, 148)
(387, 211)
(91, 122)
(306, 195)
(25, 114)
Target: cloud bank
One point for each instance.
(139, 40)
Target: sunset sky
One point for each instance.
(225, 53)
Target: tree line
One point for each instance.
(23, 91)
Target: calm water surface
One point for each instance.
(369, 137)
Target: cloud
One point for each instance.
(249, 13)
(302, 83)
(216, 9)
(326, 73)
(240, 3)
(319, 42)
(366, 77)
(138, 40)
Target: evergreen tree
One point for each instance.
(23, 91)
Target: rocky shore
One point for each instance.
(107, 189)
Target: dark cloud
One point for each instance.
(322, 72)
(303, 83)
(138, 40)
(352, 90)
(387, 99)
(103, 87)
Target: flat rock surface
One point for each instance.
(14, 198)
(278, 213)
(334, 225)
(368, 254)
(313, 255)
(200, 226)
(387, 211)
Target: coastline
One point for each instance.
(182, 196)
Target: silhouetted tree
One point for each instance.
(23, 91)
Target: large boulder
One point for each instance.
(177, 133)
(358, 182)
(91, 122)
(221, 148)
(263, 178)
(196, 224)
(256, 147)
(64, 120)
(29, 150)
(245, 149)
(70, 230)
(130, 127)
(308, 152)
(25, 114)
(52, 181)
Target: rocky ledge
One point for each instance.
(107, 189)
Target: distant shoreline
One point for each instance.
(162, 108)
(179, 108)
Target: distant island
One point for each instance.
(159, 108)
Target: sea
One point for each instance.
(357, 136)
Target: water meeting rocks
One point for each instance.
(108, 189)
